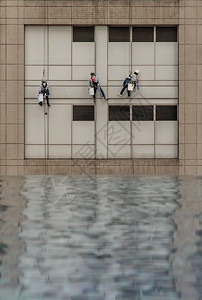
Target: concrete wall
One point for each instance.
(16, 14)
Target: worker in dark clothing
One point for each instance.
(43, 90)
(125, 86)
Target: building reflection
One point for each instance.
(11, 246)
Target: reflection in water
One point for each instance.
(11, 246)
(103, 237)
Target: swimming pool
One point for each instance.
(101, 237)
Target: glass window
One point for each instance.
(166, 112)
(83, 113)
(83, 34)
(143, 34)
(166, 34)
(119, 34)
(119, 113)
(143, 112)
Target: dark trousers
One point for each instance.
(123, 89)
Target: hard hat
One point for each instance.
(43, 80)
(136, 71)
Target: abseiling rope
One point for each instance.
(44, 100)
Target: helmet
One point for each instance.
(136, 72)
(92, 73)
(43, 80)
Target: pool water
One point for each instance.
(101, 237)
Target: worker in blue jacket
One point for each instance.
(126, 81)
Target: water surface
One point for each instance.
(101, 237)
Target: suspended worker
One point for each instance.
(134, 79)
(126, 81)
(43, 92)
(94, 83)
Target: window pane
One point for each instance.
(166, 34)
(83, 34)
(119, 34)
(119, 113)
(143, 113)
(83, 113)
(143, 34)
(166, 112)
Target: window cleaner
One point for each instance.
(126, 85)
(43, 92)
(94, 86)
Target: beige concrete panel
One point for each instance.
(12, 113)
(166, 151)
(83, 53)
(12, 133)
(198, 12)
(169, 12)
(36, 12)
(35, 40)
(101, 129)
(198, 34)
(146, 72)
(166, 72)
(59, 151)
(158, 92)
(83, 132)
(190, 113)
(34, 73)
(60, 117)
(142, 132)
(190, 133)
(35, 151)
(143, 151)
(199, 94)
(143, 12)
(199, 72)
(199, 54)
(199, 150)
(143, 53)
(181, 31)
(83, 151)
(190, 54)
(59, 12)
(83, 12)
(34, 124)
(190, 72)
(12, 151)
(12, 34)
(166, 132)
(166, 53)
(199, 113)
(2, 113)
(118, 53)
(118, 72)
(60, 45)
(181, 133)
(190, 170)
(119, 132)
(190, 92)
(190, 34)
(60, 73)
(119, 151)
(12, 54)
(101, 40)
(190, 12)
(199, 133)
(83, 73)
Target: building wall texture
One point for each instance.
(16, 15)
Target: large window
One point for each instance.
(119, 34)
(143, 34)
(143, 113)
(83, 34)
(166, 112)
(166, 34)
(119, 113)
(83, 113)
